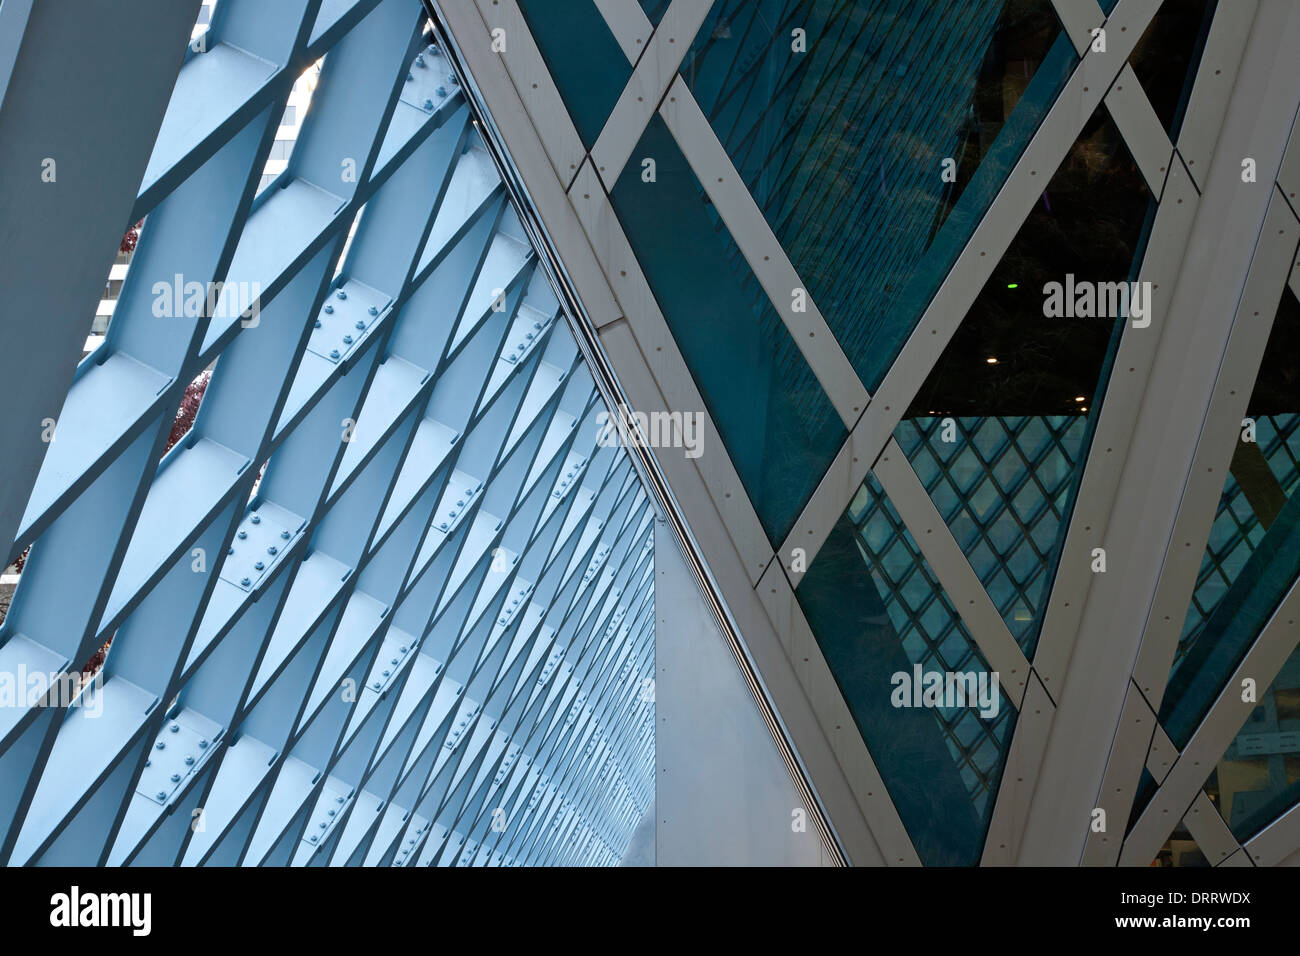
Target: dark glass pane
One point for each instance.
(1253, 553)
(843, 143)
(585, 61)
(775, 420)
(878, 613)
(1000, 428)
(1251, 561)
(1180, 849)
(654, 9)
(1166, 58)
(1146, 790)
(1258, 777)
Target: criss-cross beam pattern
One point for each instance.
(388, 600)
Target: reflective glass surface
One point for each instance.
(1253, 553)
(589, 81)
(874, 135)
(1166, 57)
(999, 430)
(778, 425)
(882, 620)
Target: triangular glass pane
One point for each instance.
(654, 10)
(1253, 554)
(1180, 850)
(887, 632)
(779, 427)
(1166, 58)
(874, 135)
(1021, 386)
(1258, 778)
(589, 81)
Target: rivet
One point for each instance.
(285, 535)
(329, 310)
(175, 728)
(317, 324)
(176, 778)
(189, 761)
(203, 744)
(373, 310)
(258, 565)
(360, 326)
(428, 104)
(272, 550)
(245, 581)
(255, 519)
(334, 353)
(419, 59)
(242, 535)
(410, 77)
(347, 340)
(341, 294)
(162, 794)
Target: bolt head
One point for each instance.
(160, 746)
(175, 728)
(272, 550)
(162, 794)
(285, 535)
(242, 535)
(176, 778)
(347, 340)
(360, 326)
(256, 519)
(334, 353)
(373, 310)
(428, 104)
(258, 565)
(245, 581)
(317, 324)
(203, 744)
(341, 294)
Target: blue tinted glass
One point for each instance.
(585, 61)
(999, 430)
(881, 619)
(777, 423)
(654, 9)
(842, 119)
(1253, 553)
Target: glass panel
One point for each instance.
(1000, 428)
(589, 68)
(843, 134)
(654, 9)
(1180, 850)
(775, 420)
(1166, 58)
(882, 622)
(1253, 553)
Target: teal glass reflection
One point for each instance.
(874, 135)
(589, 68)
(999, 431)
(779, 427)
(1253, 554)
(1002, 486)
(878, 612)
